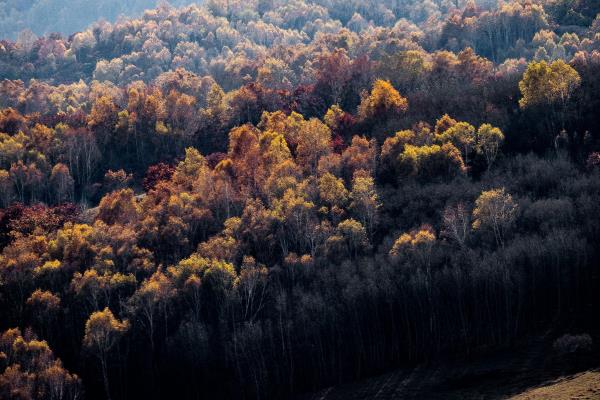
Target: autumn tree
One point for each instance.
(116, 180)
(417, 244)
(456, 222)
(350, 240)
(489, 141)
(360, 155)
(252, 286)
(6, 188)
(382, 103)
(119, 207)
(160, 172)
(45, 305)
(431, 162)
(150, 302)
(333, 193)
(495, 210)
(444, 123)
(314, 141)
(102, 332)
(31, 371)
(365, 201)
(546, 84)
(392, 147)
(461, 135)
(62, 183)
(340, 122)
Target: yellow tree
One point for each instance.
(333, 194)
(314, 141)
(489, 140)
(418, 244)
(365, 201)
(32, 371)
(549, 84)
(462, 135)
(384, 100)
(332, 190)
(350, 238)
(102, 333)
(495, 210)
(150, 302)
(545, 83)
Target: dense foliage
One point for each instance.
(261, 198)
(65, 16)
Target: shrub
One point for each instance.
(569, 344)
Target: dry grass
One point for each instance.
(584, 386)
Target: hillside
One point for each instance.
(256, 199)
(43, 17)
(584, 386)
(580, 386)
(532, 371)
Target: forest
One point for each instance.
(43, 17)
(258, 199)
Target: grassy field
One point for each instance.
(583, 386)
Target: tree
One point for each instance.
(332, 191)
(456, 223)
(489, 140)
(545, 83)
(32, 371)
(314, 141)
(119, 207)
(549, 84)
(102, 332)
(431, 162)
(340, 122)
(116, 180)
(391, 150)
(383, 102)
(350, 239)
(333, 74)
(360, 155)
(150, 302)
(27, 179)
(252, 287)
(365, 202)
(62, 183)
(418, 244)
(297, 215)
(103, 118)
(462, 135)
(444, 123)
(495, 210)
(6, 188)
(157, 173)
(44, 305)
